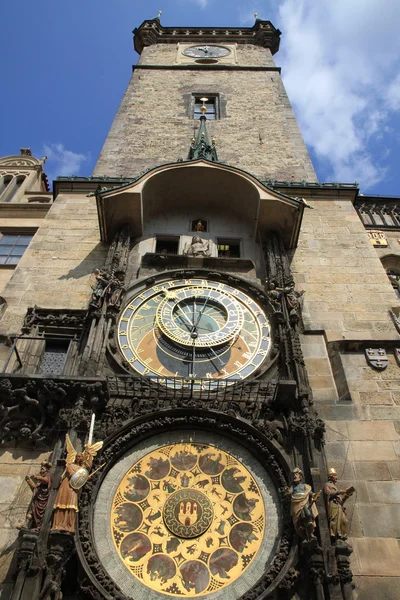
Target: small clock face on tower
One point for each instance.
(206, 51)
(195, 329)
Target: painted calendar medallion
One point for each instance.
(188, 519)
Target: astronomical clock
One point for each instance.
(189, 511)
(196, 329)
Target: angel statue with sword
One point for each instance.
(76, 474)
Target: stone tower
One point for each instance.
(198, 342)
(175, 69)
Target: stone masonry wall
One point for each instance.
(153, 125)
(347, 298)
(55, 269)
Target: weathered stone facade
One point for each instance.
(258, 196)
(157, 126)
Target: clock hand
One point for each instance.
(186, 317)
(200, 314)
(193, 356)
(216, 356)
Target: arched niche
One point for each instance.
(205, 188)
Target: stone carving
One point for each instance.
(274, 298)
(40, 485)
(335, 509)
(303, 509)
(198, 247)
(78, 465)
(293, 302)
(55, 318)
(22, 417)
(107, 290)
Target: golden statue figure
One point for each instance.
(76, 474)
(336, 511)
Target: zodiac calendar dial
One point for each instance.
(195, 329)
(187, 519)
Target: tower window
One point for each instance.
(12, 247)
(211, 104)
(54, 357)
(167, 244)
(228, 248)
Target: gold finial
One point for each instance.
(203, 109)
(193, 140)
(202, 134)
(213, 140)
(332, 471)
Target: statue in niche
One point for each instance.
(303, 508)
(335, 509)
(40, 485)
(198, 247)
(199, 225)
(76, 474)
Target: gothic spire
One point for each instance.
(201, 146)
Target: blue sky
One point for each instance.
(66, 66)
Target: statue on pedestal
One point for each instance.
(76, 474)
(303, 508)
(335, 509)
(40, 485)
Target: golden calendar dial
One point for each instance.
(195, 329)
(187, 519)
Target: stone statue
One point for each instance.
(303, 508)
(40, 485)
(198, 247)
(274, 299)
(76, 474)
(334, 503)
(293, 302)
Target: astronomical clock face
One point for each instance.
(195, 329)
(186, 519)
(206, 51)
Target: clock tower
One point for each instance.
(170, 370)
(234, 68)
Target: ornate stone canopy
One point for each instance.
(203, 184)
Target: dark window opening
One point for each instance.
(12, 247)
(167, 245)
(199, 225)
(228, 248)
(54, 357)
(210, 102)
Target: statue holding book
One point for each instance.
(336, 511)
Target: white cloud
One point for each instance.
(63, 162)
(340, 63)
(202, 3)
(393, 94)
